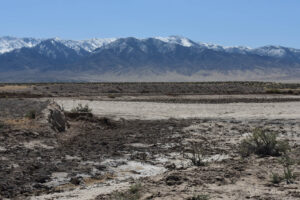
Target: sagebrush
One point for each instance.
(263, 142)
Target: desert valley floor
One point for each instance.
(147, 141)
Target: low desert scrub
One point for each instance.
(287, 164)
(197, 152)
(283, 91)
(199, 197)
(263, 143)
(288, 174)
(134, 193)
(31, 114)
(276, 178)
(81, 109)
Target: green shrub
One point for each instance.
(276, 178)
(134, 193)
(81, 109)
(288, 174)
(287, 163)
(263, 143)
(31, 114)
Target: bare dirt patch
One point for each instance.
(13, 87)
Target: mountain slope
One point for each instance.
(153, 59)
(47, 55)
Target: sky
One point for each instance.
(250, 23)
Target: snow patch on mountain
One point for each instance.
(176, 40)
(88, 45)
(228, 49)
(273, 51)
(8, 44)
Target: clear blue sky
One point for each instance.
(227, 22)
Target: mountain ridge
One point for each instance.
(94, 43)
(131, 59)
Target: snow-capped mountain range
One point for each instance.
(8, 44)
(171, 58)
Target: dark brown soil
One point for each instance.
(98, 89)
(24, 170)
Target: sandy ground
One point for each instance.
(152, 111)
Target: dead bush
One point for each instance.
(196, 155)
